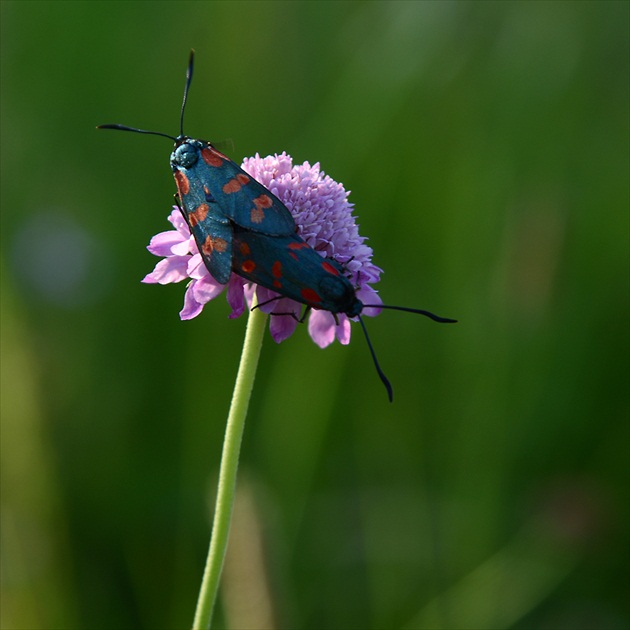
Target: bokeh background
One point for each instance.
(486, 147)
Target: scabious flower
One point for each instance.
(324, 220)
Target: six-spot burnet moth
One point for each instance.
(240, 226)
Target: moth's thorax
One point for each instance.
(186, 153)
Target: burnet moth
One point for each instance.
(240, 226)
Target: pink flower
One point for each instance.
(324, 220)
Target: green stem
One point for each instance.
(229, 465)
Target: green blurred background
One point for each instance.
(486, 147)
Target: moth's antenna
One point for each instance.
(388, 385)
(189, 73)
(435, 318)
(125, 128)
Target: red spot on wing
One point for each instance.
(298, 245)
(223, 157)
(277, 284)
(244, 249)
(330, 268)
(212, 157)
(231, 187)
(257, 213)
(220, 245)
(263, 201)
(294, 256)
(276, 269)
(199, 214)
(235, 184)
(183, 185)
(248, 266)
(310, 296)
(210, 245)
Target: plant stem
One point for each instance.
(229, 465)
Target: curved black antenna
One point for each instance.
(435, 318)
(388, 385)
(189, 73)
(125, 128)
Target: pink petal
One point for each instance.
(321, 328)
(171, 269)
(343, 330)
(282, 324)
(192, 308)
(162, 244)
(206, 289)
(282, 327)
(368, 295)
(196, 268)
(266, 298)
(285, 305)
(236, 296)
(187, 246)
(178, 222)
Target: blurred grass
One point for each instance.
(486, 145)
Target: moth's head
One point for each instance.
(186, 152)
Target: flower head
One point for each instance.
(324, 220)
